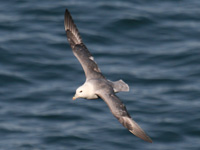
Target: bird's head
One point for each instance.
(85, 91)
(80, 93)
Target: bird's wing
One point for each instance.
(118, 109)
(80, 50)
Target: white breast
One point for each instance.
(90, 91)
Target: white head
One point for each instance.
(80, 93)
(85, 91)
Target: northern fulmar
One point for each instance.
(96, 85)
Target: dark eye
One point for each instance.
(80, 91)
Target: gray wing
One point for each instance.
(80, 50)
(118, 109)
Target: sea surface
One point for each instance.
(154, 46)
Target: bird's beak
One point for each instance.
(74, 98)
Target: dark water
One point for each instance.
(152, 45)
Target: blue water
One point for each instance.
(152, 45)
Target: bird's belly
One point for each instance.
(92, 97)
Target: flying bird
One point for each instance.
(96, 85)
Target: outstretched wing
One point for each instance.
(80, 50)
(118, 109)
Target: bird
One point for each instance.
(96, 85)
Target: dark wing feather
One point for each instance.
(118, 109)
(80, 50)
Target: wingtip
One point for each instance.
(148, 139)
(71, 29)
(67, 16)
(142, 136)
(66, 10)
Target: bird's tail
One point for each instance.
(73, 35)
(119, 86)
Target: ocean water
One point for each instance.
(152, 45)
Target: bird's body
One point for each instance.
(96, 85)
